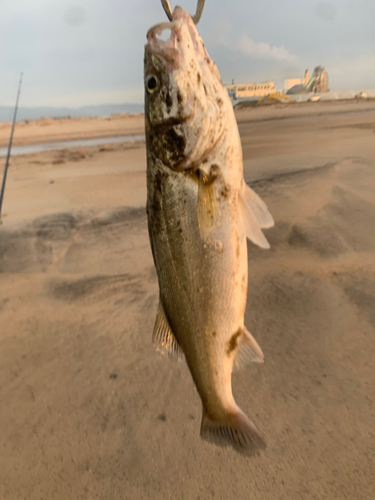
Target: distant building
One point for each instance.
(290, 82)
(318, 83)
(321, 80)
(241, 90)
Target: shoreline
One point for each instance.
(50, 130)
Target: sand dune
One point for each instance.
(89, 410)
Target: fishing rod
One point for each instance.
(10, 146)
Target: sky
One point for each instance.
(85, 52)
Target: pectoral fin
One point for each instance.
(164, 340)
(254, 215)
(257, 206)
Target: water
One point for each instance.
(51, 146)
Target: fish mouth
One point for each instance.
(166, 50)
(183, 32)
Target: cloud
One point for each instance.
(222, 34)
(263, 50)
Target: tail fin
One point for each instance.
(235, 430)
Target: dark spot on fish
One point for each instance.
(168, 101)
(214, 170)
(175, 142)
(205, 89)
(238, 248)
(214, 333)
(162, 417)
(199, 78)
(219, 101)
(158, 185)
(113, 376)
(225, 190)
(209, 178)
(233, 342)
(157, 200)
(191, 416)
(194, 175)
(168, 146)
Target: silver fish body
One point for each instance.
(199, 214)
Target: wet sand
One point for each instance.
(64, 129)
(89, 410)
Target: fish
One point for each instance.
(200, 213)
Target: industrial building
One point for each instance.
(291, 82)
(316, 84)
(243, 90)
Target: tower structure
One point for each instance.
(321, 80)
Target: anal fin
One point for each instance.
(248, 351)
(163, 338)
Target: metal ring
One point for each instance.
(195, 18)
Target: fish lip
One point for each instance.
(160, 27)
(170, 122)
(166, 50)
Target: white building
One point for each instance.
(290, 82)
(241, 90)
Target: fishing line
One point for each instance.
(195, 18)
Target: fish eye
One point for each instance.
(152, 83)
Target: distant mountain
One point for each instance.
(6, 112)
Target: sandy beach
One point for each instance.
(65, 129)
(88, 408)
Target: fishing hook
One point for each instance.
(195, 18)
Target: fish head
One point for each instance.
(186, 104)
